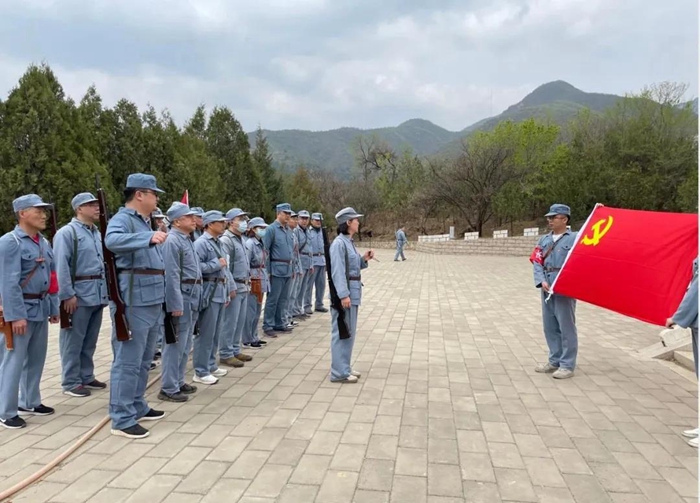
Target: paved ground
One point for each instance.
(448, 410)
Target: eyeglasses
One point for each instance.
(555, 217)
(149, 192)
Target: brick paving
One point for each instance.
(448, 410)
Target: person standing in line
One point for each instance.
(293, 226)
(401, 241)
(558, 311)
(686, 316)
(183, 294)
(83, 291)
(259, 282)
(319, 266)
(346, 266)
(199, 223)
(234, 322)
(306, 256)
(141, 270)
(29, 303)
(215, 298)
(279, 248)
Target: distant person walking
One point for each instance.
(401, 241)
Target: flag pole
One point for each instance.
(578, 238)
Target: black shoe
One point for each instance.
(255, 345)
(293, 324)
(153, 366)
(95, 384)
(283, 329)
(188, 389)
(158, 355)
(79, 391)
(262, 342)
(271, 334)
(172, 397)
(308, 313)
(14, 423)
(321, 310)
(136, 431)
(41, 410)
(153, 415)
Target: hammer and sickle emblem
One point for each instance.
(597, 232)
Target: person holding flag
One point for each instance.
(558, 311)
(686, 316)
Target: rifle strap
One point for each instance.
(551, 249)
(74, 258)
(36, 266)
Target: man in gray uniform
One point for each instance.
(293, 227)
(183, 293)
(199, 223)
(215, 299)
(306, 256)
(558, 312)
(141, 271)
(239, 269)
(258, 273)
(401, 241)
(83, 292)
(29, 302)
(319, 265)
(279, 247)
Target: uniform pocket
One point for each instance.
(150, 289)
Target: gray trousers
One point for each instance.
(559, 321)
(21, 369)
(211, 322)
(308, 307)
(132, 361)
(276, 303)
(234, 319)
(320, 284)
(175, 355)
(303, 290)
(77, 347)
(341, 349)
(694, 334)
(399, 252)
(250, 334)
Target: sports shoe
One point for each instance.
(208, 379)
(262, 342)
(219, 372)
(349, 379)
(321, 309)
(355, 373)
(79, 391)
(14, 423)
(546, 368)
(230, 362)
(188, 389)
(563, 374)
(172, 397)
(283, 329)
(691, 433)
(243, 357)
(271, 334)
(41, 410)
(95, 384)
(136, 431)
(152, 415)
(255, 345)
(693, 442)
(158, 355)
(293, 323)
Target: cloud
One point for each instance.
(319, 64)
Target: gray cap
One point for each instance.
(213, 216)
(286, 207)
(316, 216)
(178, 209)
(142, 181)
(346, 214)
(198, 211)
(304, 214)
(294, 214)
(158, 214)
(558, 209)
(256, 222)
(28, 201)
(82, 198)
(234, 212)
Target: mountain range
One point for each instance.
(556, 101)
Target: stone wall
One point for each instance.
(519, 246)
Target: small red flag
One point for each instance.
(636, 263)
(186, 198)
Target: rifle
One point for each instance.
(343, 328)
(121, 325)
(66, 317)
(168, 319)
(369, 233)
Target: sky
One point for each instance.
(324, 64)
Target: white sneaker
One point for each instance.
(348, 379)
(691, 433)
(209, 379)
(546, 368)
(355, 373)
(219, 372)
(563, 374)
(693, 442)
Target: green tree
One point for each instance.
(302, 192)
(273, 189)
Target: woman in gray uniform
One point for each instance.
(346, 264)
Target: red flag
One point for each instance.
(636, 263)
(186, 198)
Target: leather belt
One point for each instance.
(552, 269)
(258, 267)
(215, 280)
(33, 296)
(144, 272)
(242, 281)
(318, 254)
(355, 278)
(191, 281)
(280, 260)
(88, 278)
